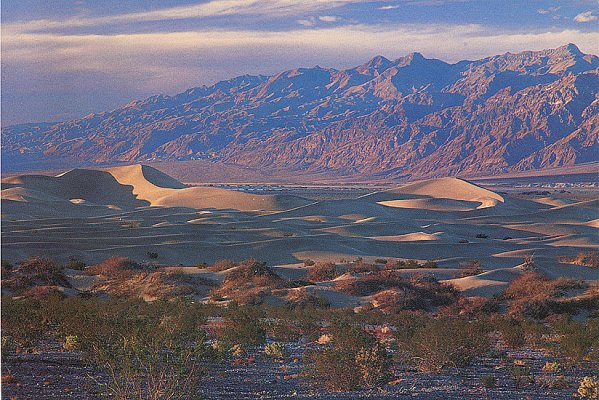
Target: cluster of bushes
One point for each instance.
(532, 295)
(147, 350)
(409, 264)
(33, 277)
(353, 359)
(393, 293)
(321, 272)
(433, 344)
(249, 282)
(469, 268)
(588, 259)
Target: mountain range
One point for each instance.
(412, 117)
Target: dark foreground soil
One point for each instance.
(53, 374)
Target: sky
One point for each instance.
(64, 59)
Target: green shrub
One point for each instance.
(488, 381)
(309, 263)
(275, 350)
(71, 343)
(521, 375)
(354, 361)
(244, 327)
(438, 343)
(76, 264)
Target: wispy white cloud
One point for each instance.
(585, 17)
(212, 8)
(388, 7)
(548, 10)
(328, 18)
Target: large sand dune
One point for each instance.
(133, 210)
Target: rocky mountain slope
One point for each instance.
(411, 117)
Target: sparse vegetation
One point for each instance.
(588, 259)
(321, 272)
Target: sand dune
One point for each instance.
(131, 211)
(444, 194)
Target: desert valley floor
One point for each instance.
(135, 211)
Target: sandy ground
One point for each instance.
(133, 210)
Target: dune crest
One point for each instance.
(443, 194)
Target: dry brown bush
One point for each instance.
(588, 259)
(222, 265)
(322, 272)
(535, 296)
(249, 282)
(115, 267)
(35, 271)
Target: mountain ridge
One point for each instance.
(413, 116)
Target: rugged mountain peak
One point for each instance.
(413, 115)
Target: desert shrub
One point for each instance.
(534, 296)
(482, 236)
(147, 350)
(43, 292)
(558, 383)
(71, 343)
(249, 282)
(222, 265)
(578, 342)
(507, 238)
(373, 365)
(551, 366)
(528, 263)
(254, 271)
(463, 241)
(35, 271)
(381, 261)
(301, 298)
(152, 255)
(397, 299)
(322, 272)
(23, 321)
(244, 326)
(275, 350)
(115, 267)
(362, 267)
(411, 264)
(589, 388)
(488, 381)
(474, 306)
(395, 293)
(521, 376)
(429, 264)
(370, 284)
(7, 267)
(353, 360)
(309, 263)
(588, 259)
(438, 343)
(469, 268)
(512, 332)
(75, 263)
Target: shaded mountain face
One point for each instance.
(411, 117)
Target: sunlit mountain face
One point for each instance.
(412, 116)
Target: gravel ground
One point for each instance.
(52, 374)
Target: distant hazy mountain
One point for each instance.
(409, 117)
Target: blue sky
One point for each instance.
(63, 59)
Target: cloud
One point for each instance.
(388, 7)
(82, 72)
(586, 16)
(212, 8)
(328, 18)
(548, 10)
